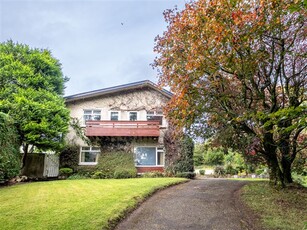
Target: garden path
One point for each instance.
(198, 204)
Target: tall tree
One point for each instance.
(239, 68)
(31, 89)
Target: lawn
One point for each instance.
(278, 209)
(73, 204)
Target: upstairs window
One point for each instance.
(133, 116)
(91, 115)
(114, 116)
(155, 115)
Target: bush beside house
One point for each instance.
(179, 155)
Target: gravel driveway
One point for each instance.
(198, 204)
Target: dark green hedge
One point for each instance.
(9, 149)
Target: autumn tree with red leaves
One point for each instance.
(238, 72)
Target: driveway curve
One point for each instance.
(198, 204)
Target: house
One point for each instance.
(126, 117)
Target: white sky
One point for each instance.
(100, 43)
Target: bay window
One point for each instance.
(149, 156)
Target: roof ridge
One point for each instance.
(116, 88)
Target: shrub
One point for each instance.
(202, 172)
(108, 163)
(229, 169)
(66, 171)
(188, 175)
(9, 149)
(69, 157)
(124, 173)
(153, 174)
(214, 157)
(185, 163)
(219, 170)
(98, 175)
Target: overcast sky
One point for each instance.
(100, 43)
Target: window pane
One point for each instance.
(97, 112)
(160, 158)
(88, 157)
(95, 148)
(133, 116)
(145, 155)
(87, 117)
(85, 148)
(114, 116)
(96, 117)
(87, 111)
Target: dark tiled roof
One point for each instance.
(119, 88)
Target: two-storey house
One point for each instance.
(127, 117)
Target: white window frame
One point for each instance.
(155, 114)
(90, 150)
(112, 111)
(137, 115)
(92, 114)
(159, 149)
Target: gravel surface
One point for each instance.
(198, 204)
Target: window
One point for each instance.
(91, 115)
(133, 116)
(155, 116)
(114, 116)
(149, 156)
(89, 155)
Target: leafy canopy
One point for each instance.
(31, 89)
(238, 72)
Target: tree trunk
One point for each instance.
(286, 162)
(25, 154)
(286, 168)
(276, 175)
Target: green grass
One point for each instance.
(73, 204)
(278, 209)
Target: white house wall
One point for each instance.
(139, 100)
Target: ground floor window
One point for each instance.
(89, 155)
(149, 156)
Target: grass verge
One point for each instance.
(278, 209)
(74, 204)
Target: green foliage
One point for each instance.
(300, 179)
(214, 157)
(69, 157)
(125, 173)
(199, 154)
(219, 170)
(111, 162)
(24, 67)
(185, 162)
(202, 172)
(31, 89)
(188, 175)
(41, 115)
(9, 149)
(235, 160)
(66, 171)
(229, 169)
(153, 174)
